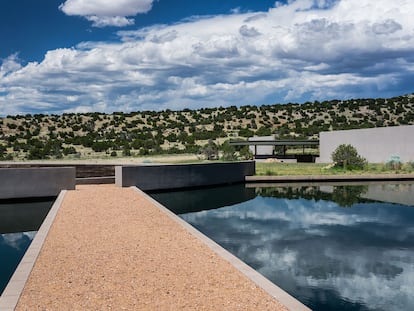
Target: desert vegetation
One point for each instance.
(347, 157)
(205, 131)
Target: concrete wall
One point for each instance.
(261, 149)
(35, 182)
(159, 177)
(375, 144)
(82, 170)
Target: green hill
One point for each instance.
(97, 134)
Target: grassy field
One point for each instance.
(284, 169)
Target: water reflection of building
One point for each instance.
(393, 193)
(401, 193)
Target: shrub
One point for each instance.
(228, 152)
(346, 196)
(11, 126)
(347, 157)
(245, 153)
(126, 151)
(69, 150)
(210, 150)
(394, 163)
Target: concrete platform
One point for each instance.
(112, 248)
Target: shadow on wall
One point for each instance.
(35, 182)
(163, 177)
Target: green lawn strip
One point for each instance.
(285, 169)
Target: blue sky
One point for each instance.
(128, 55)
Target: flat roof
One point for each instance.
(283, 142)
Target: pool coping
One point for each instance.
(269, 287)
(328, 178)
(14, 289)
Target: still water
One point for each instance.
(333, 247)
(19, 222)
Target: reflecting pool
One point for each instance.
(19, 222)
(333, 247)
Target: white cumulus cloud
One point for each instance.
(9, 64)
(304, 50)
(107, 12)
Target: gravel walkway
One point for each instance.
(111, 249)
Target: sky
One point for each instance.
(133, 55)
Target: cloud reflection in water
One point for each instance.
(358, 258)
(17, 240)
(12, 248)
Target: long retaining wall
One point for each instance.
(160, 177)
(90, 170)
(35, 182)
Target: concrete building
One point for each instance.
(377, 145)
(265, 147)
(262, 150)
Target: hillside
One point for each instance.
(140, 133)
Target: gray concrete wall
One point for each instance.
(35, 182)
(160, 177)
(375, 144)
(261, 149)
(83, 170)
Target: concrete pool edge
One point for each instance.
(14, 288)
(328, 178)
(272, 289)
